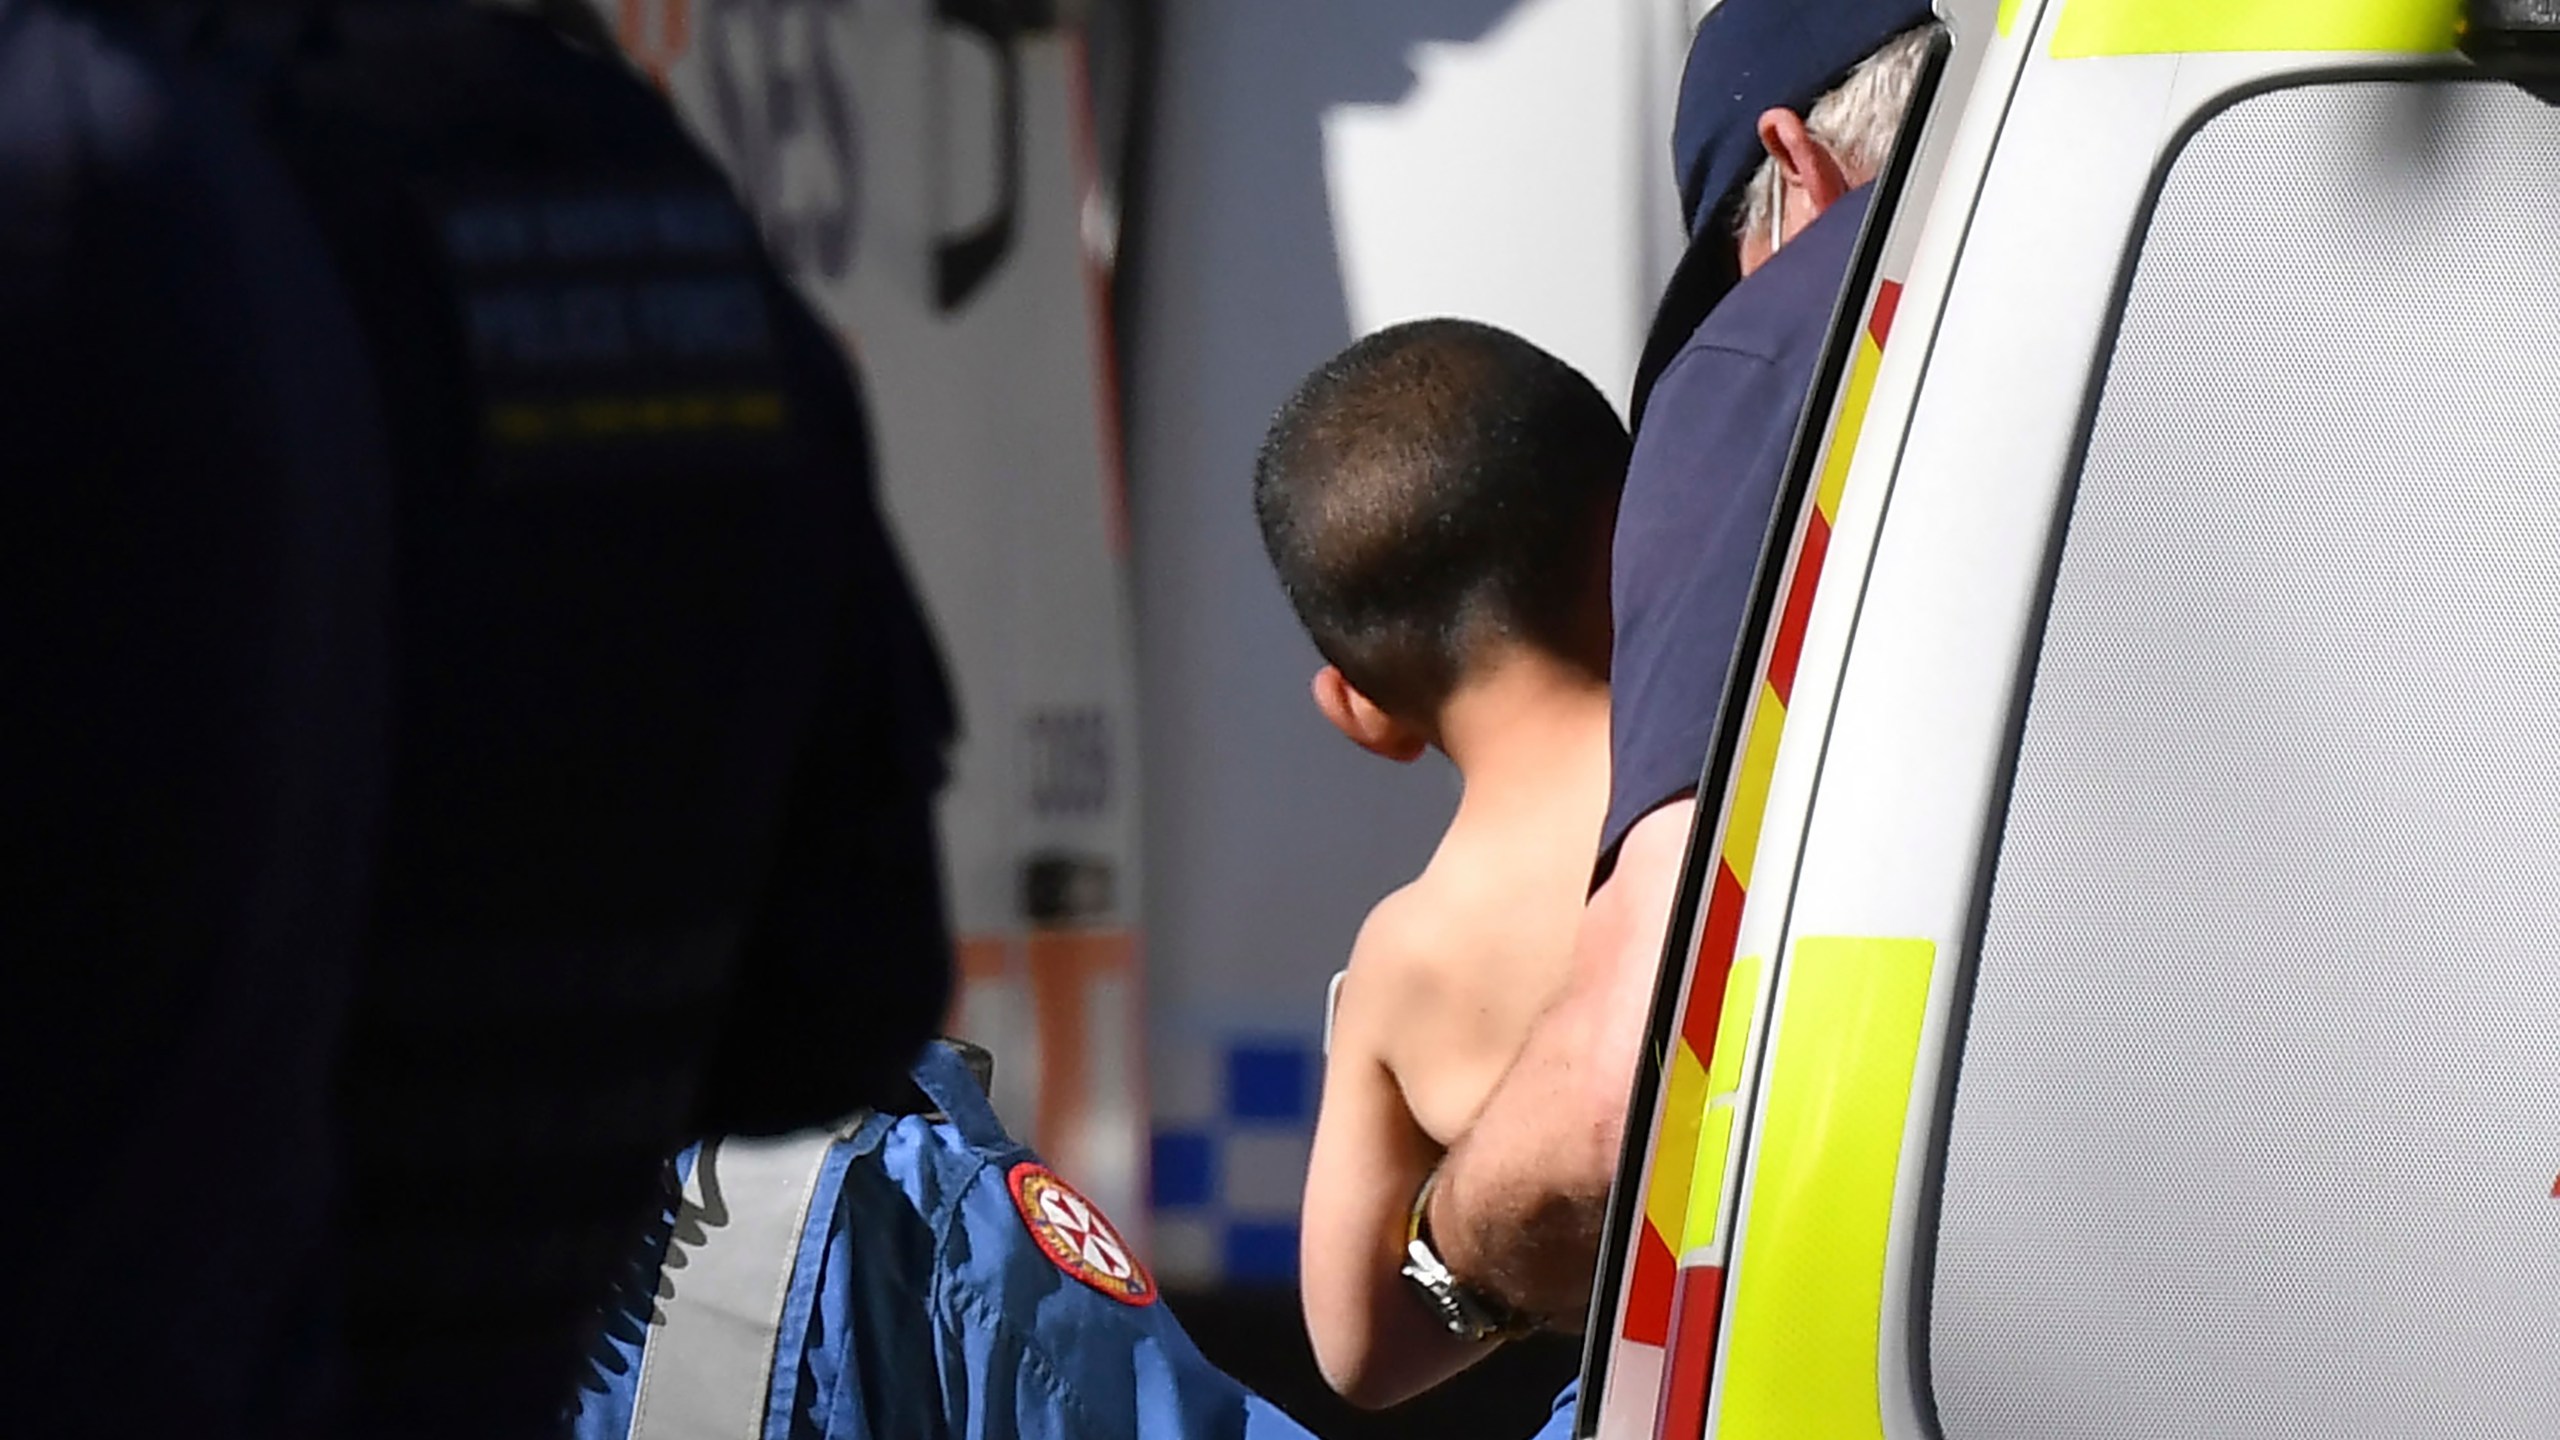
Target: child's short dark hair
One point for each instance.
(1440, 483)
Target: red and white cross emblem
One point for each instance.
(1076, 1237)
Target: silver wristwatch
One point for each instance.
(1469, 1314)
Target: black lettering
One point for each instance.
(1070, 762)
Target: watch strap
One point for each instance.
(1467, 1312)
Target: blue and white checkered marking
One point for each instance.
(1226, 1179)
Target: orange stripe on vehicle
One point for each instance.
(1067, 967)
(1101, 329)
(976, 960)
(657, 41)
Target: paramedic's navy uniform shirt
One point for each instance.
(1699, 489)
(193, 529)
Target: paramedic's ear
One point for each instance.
(1362, 722)
(1809, 175)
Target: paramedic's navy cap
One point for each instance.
(1751, 55)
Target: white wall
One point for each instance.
(1510, 184)
(1323, 167)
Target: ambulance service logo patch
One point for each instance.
(1075, 1237)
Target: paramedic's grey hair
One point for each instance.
(1856, 122)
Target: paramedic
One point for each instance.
(457, 750)
(936, 1280)
(1518, 1205)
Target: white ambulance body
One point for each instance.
(2123, 995)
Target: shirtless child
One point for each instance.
(1438, 501)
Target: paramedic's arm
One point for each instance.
(1519, 1207)
(1374, 1340)
(1521, 1199)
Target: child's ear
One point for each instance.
(1362, 722)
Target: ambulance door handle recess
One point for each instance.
(964, 259)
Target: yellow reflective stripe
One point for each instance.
(1706, 1182)
(1751, 784)
(1844, 433)
(1724, 1077)
(2008, 15)
(1684, 1097)
(1733, 1025)
(2168, 27)
(1808, 1297)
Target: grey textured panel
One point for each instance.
(2259, 1111)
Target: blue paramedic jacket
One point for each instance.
(903, 1276)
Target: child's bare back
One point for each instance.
(1444, 982)
(1453, 968)
(1438, 501)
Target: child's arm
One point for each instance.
(1375, 1341)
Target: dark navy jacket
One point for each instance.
(464, 727)
(1700, 486)
(195, 503)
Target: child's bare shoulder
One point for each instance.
(1417, 942)
(1442, 987)
(1395, 943)
(1407, 932)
